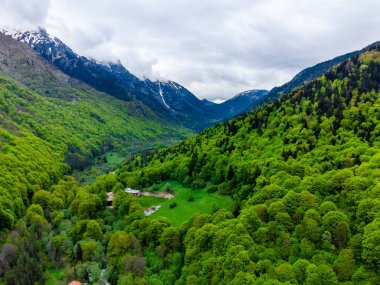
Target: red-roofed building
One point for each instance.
(75, 283)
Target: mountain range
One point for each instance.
(105, 96)
(169, 100)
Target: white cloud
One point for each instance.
(215, 48)
(21, 14)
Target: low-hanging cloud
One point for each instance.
(215, 48)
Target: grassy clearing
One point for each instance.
(149, 201)
(113, 158)
(203, 203)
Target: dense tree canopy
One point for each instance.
(304, 173)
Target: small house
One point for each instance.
(133, 192)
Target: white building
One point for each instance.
(134, 192)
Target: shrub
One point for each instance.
(212, 188)
(198, 184)
(155, 187)
(169, 188)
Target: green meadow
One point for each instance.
(113, 158)
(203, 203)
(149, 201)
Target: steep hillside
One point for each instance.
(248, 100)
(19, 62)
(51, 124)
(304, 171)
(309, 74)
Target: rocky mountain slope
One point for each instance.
(168, 99)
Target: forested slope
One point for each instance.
(51, 124)
(304, 171)
(43, 138)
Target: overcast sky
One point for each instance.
(215, 48)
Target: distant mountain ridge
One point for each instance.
(309, 74)
(168, 99)
(240, 103)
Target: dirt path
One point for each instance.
(158, 194)
(149, 211)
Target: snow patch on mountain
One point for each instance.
(174, 85)
(53, 45)
(162, 95)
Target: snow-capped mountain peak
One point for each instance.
(250, 93)
(33, 38)
(52, 48)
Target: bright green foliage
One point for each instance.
(344, 266)
(303, 173)
(320, 275)
(203, 202)
(41, 138)
(149, 201)
(371, 244)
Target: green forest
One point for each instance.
(302, 174)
